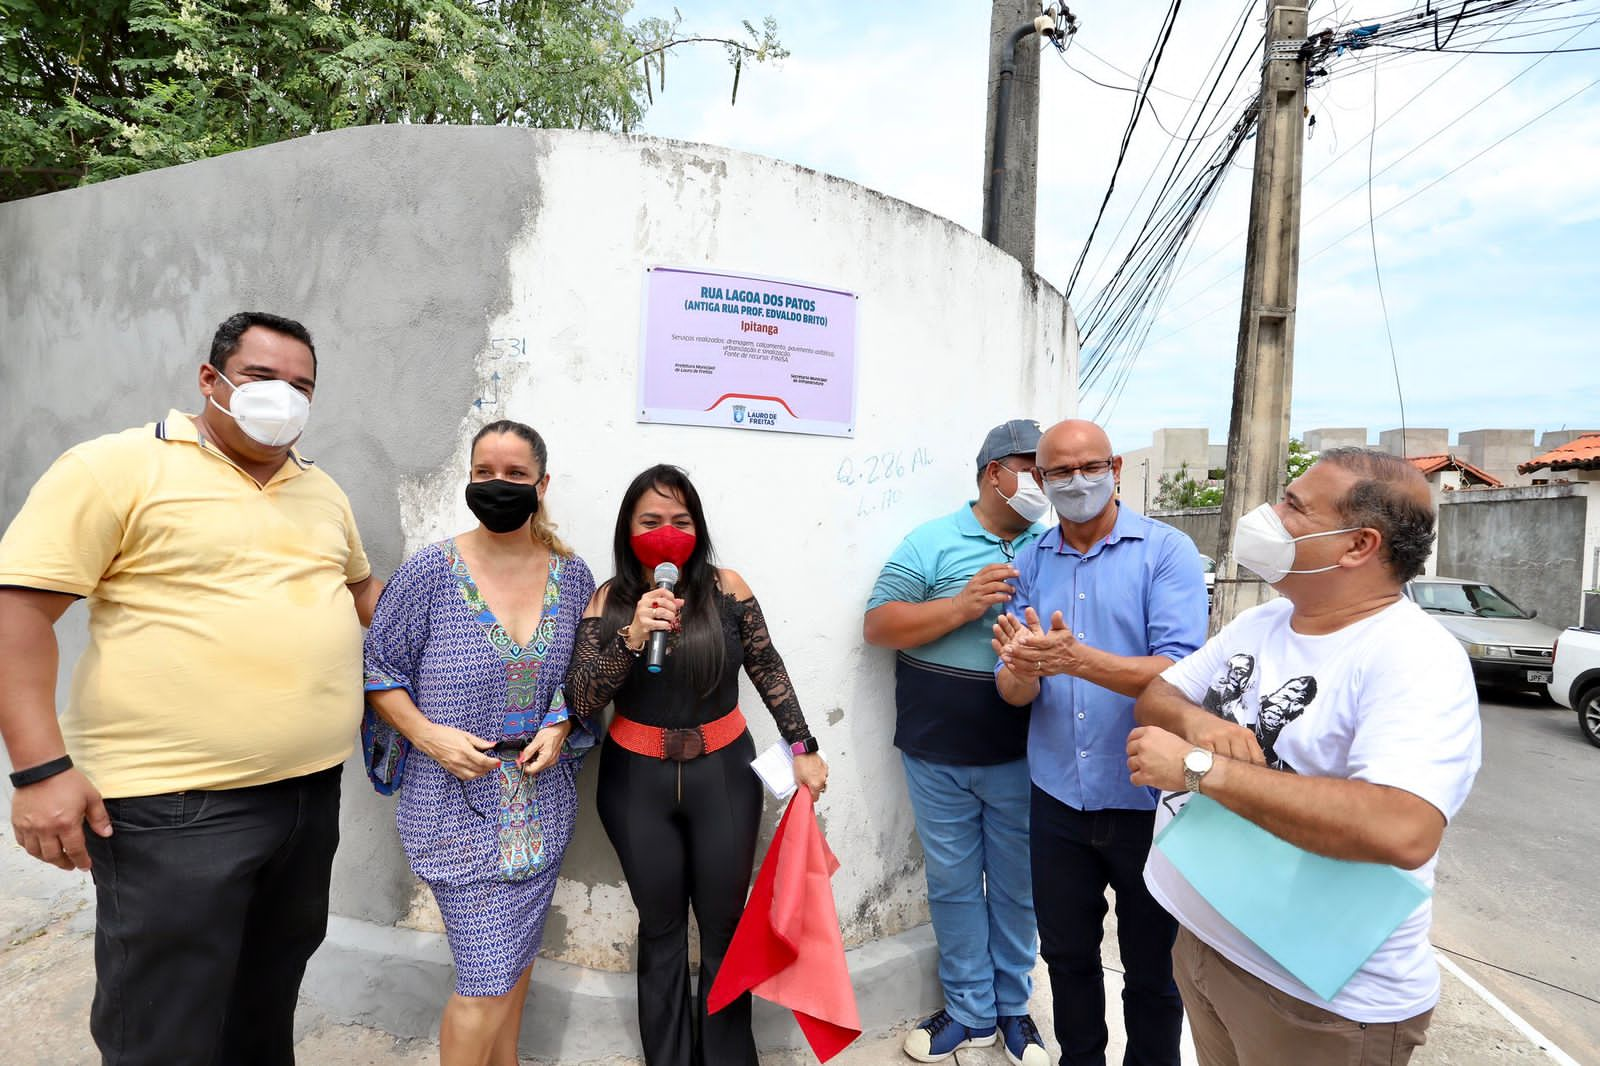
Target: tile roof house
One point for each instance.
(1446, 472)
(1582, 454)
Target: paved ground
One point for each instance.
(1516, 890)
(1520, 871)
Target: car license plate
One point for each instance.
(1538, 677)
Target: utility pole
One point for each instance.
(1258, 433)
(1011, 148)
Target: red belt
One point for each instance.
(678, 745)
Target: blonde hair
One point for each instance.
(542, 529)
(544, 532)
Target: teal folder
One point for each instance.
(1318, 918)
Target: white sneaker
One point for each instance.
(937, 1038)
(1024, 1047)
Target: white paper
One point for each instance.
(775, 767)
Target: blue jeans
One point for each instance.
(973, 823)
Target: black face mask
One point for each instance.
(502, 506)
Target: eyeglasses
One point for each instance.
(1061, 473)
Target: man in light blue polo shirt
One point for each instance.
(965, 749)
(1105, 601)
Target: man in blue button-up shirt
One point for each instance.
(1105, 601)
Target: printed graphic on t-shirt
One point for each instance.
(1225, 697)
(1235, 695)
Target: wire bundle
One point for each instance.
(1116, 320)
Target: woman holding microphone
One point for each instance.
(677, 795)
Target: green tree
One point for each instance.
(1300, 459)
(94, 89)
(1179, 491)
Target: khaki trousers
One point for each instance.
(1237, 1019)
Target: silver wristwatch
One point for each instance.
(1196, 765)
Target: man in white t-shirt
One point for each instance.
(1355, 736)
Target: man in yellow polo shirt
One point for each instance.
(209, 716)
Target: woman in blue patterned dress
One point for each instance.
(465, 660)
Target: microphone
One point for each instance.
(666, 577)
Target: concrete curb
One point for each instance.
(397, 980)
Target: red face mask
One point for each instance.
(664, 544)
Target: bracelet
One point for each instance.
(44, 771)
(622, 637)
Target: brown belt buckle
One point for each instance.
(682, 745)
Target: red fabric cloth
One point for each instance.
(788, 948)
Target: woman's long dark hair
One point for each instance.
(700, 646)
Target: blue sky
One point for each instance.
(1492, 276)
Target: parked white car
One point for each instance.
(1506, 646)
(1576, 681)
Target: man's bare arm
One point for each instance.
(899, 625)
(904, 624)
(1162, 705)
(47, 817)
(1342, 819)
(29, 658)
(366, 593)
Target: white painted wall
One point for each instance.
(954, 338)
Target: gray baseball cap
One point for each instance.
(1020, 436)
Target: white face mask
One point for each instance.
(1261, 543)
(1029, 500)
(1079, 498)
(272, 413)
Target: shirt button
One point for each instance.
(1080, 636)
(1080, 595)
(1080, 715)
(1083, 755)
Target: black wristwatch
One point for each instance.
(43, 772)
(808, 746)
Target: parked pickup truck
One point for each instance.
(1575, 678)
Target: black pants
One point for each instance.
(208, 905)
(1076, 854)
(686, 835)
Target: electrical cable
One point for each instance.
(1372, 231)
(1120, 316)
(1215, 72)
(1393, 207)
(1154, 88)
(1124, 89)
(1464, 163)
(1148, 76)
(1331, 163)
(1329, 207)
(1438, 132)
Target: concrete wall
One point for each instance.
(1202, 524)
(417, 256)
(1414, 441)
(1555, 438)
(1170, 451)
(1534, 543)
(1318, 440)
(1497, 451)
